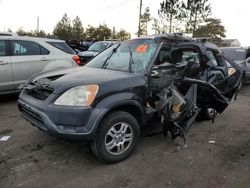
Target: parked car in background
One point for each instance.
(22, 57)
(241, 56)
(79, 45)
(94, 50)
(86, 43)
(117, 92)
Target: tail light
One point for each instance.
(76, 59)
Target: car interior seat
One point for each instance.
(176, 56)
(191, 69)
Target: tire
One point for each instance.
(208, 113)
(118, 129)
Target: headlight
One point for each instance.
(231, 71)
(78, 96)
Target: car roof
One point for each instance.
(30, 38)
(168, 37)
(177, 38)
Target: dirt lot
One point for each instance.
(31, 158)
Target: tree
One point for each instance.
(63, 29)
(196, 11)
(101, 32)
(156, 26)
(77, 29)
(170, 17)
(123, 35)
(32, 33)
(145, 18)
(40, 33)
(213, 29)
(21, 32)
(90, 33)
(171, 13)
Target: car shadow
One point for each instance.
(8, 98)
(244, 89)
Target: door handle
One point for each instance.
(44, 59)
(3, 62)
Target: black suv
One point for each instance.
(115, 94)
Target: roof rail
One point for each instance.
(8, 34)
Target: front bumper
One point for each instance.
(77, 123)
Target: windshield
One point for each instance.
(98, 46)
(235, 54)
(132, 55)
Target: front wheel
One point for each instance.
(117, 137)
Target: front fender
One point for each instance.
(121, 100)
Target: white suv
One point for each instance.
(22, 57)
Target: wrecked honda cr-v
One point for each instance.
(170, 77)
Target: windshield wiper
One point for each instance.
(105, 64)
(131, 60)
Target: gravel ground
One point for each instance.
(31, 158)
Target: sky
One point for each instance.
(124, 14)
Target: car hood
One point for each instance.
(239, 61)
(88, 53)
(61, 80)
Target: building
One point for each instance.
(230, 43)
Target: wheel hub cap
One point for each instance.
(119, 138)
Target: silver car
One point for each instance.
(241, 56)
(22, 57)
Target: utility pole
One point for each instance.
(139, 26)
(37, 24)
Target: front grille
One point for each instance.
(32, 116)
(40, 93)
(41, 89)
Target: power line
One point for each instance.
(116, 5)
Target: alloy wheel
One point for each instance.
(119, 138)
